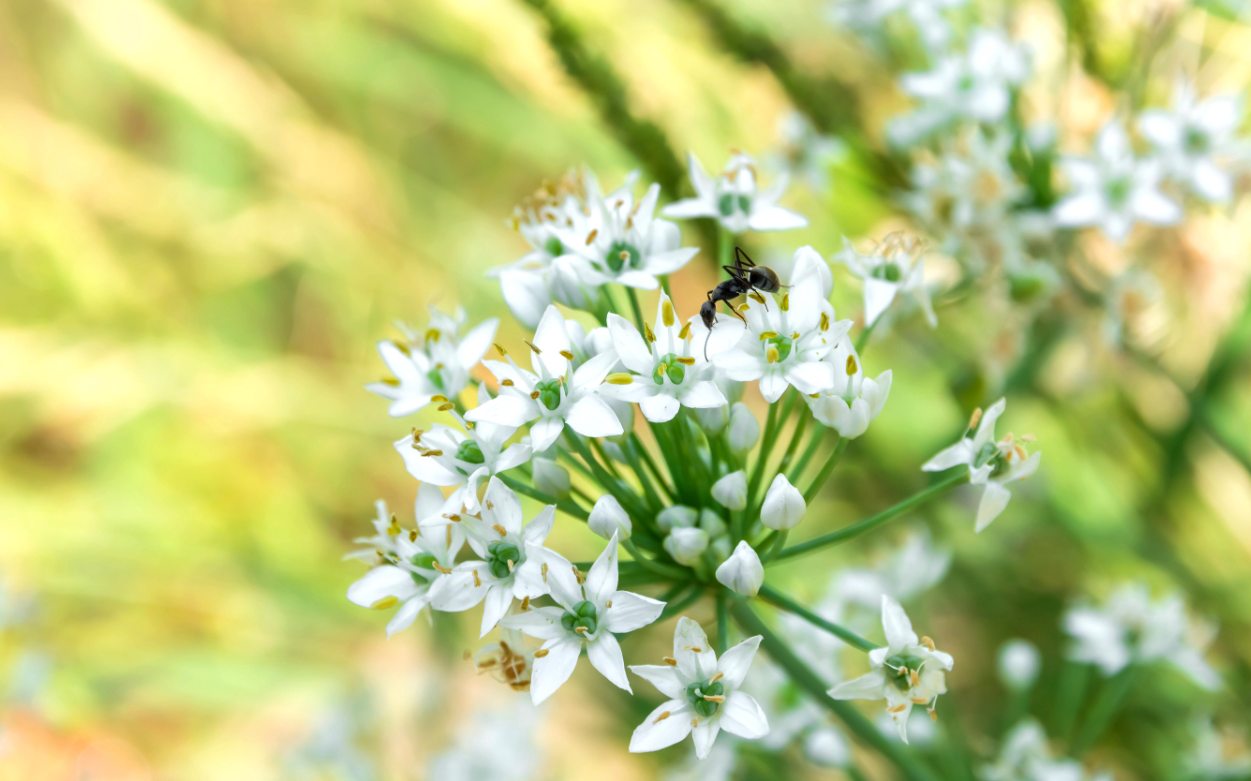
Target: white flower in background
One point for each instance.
(853, 401)
(431, 366)
(907, 671)
(554, 394)
(1194, 138)
(1134, 309)
(719, 765)
(590, 615)
(742, 573)
(785, 339)
(1132, 628)
(667, 373)
(927, 16)
(975, 86)
(783, 506)
(1026, 756)
(744, 430)
(498, 746)
(825, 746)
(1217, 756)
(993, 464)
(330, 750)
(509, 661)
(972, 185)
(686, 544)
(1018, 664)
(731, 491)
(621, 240)
(916, 567)
(446, 457)
(895, 267)
(507, 567)
(704, 694)
(608, 517)
(733, 199)
(415, 567)
(1114, 189)
(806, 153)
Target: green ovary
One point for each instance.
(888, 271)
(549, 393)
(783, 343)
(669, 367)
(469, 452)
(622, 255)
(499, 553)
(583, 616)
(694, 695)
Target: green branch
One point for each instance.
(777, 598)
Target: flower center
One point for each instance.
(499, 554)
(549, 393)
(1196, 141)
(470, 452)
(435, 376)
(782, 344)
(583, 616)
(888, 271)
(901, 664)
(1118, 191)
(695, 696)
(985, 455)
(621, 255)
(554, 247)
(668, 366)
(424, 561)
(728, 201)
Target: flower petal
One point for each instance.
(741, 715)
(896, 625)
(551, 671)
(631, 611)
(605, 655)
(380, 583)
(498, 599)
(737, 661)
(629, 345)
(542, 623)
(660, 408)
(663, 677)
(591, 416)
(696, 659)
(994, 500)
(601, 581)
(670, 723)
(705, 735)
(871, 686)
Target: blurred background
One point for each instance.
(210, 210)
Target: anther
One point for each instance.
(851, 365)
(659, 718)
(580, 630)
(530, 344)
(579, 574)
(767, 335)
(933, 714)
(544, 571)
(619, 378)
(432, 335)
(825, 322)
(412, 536)
(590, 238)
(716, 677)
(916, 679)
(477, 581)
(786, 302)
(568, 356)
(432, 453)
(438, 398)
(754, 296)
(500, 530)
(717, 698)
(897, 709)
(442, 570)
(685, 333)
(455, 517)
(608, 604)
(446, 407)
(694, 648)
(976, 418)
(539, 654)
(384, 603)
(647, 331)
(772, 355)
(918, 700)
(687, 361)
(666, 314)
(503, 353)
(506, 383)
(510, 565)
(534, 395)
(928, 643)
(669, 660)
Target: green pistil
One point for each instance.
(695, 696)
(987, 454)
(435, 376)
(783, 343)
(469, 452)
(499, 553)
(1118, 191)
(549, 393)
(554, 247)
(583, 616)
(622, 255)
(728, 201)
(902, 664)
(669, 367)
(1197, 141)
(888, 271)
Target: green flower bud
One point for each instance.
(469, 452)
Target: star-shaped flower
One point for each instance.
(1195, 138)
(906, 672)
(554, 394)
(591, 613)
(894, 268)
(734, 200)
(704, 694)
(854, 400)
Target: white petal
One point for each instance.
(544, 432)
(656, 733)
(994, 500)
(629, 345)
(896, 624)
(631, 611)
(958, 454)
(737, 661)
(601, 581)
(1153, 207)
(702, 395)
(878, 295)
(671, 261)
(551, 338)
(380, 583)
(663, 677)
(772, 385)
(505, 410)
(810, 376)
(696, 659)
(405, 616)
(498, 599)
(551, 671)
(689, 208)
(660, 408)
(560, 578)
(536, 531)
(542, 623)
(705, 735)
(591, 416)
(1079, 209)
(741, 715)
(776, 218)
(871, 686)
(605, 656)
(475, 344)
(458, 591)
(590, 374)
(429, 502)
(1210, 182)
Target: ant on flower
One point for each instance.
(745, 277)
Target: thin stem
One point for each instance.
(628, 499)
(673, 608)
(1070, 691)
(634, 304)
(772, 595)
(793, 445)
(778, 542)
(818, 482)
(766, 447)
(674, 573)
(651, 465)
(649, 492)
(863, 339)
(608, 462)
(723, 622)
(803, 677)
(814, 444)
(872, 522)
(1107, 704)
(564, 505)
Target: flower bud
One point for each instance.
(676, 517)
(550, 477)
(744, 428)
(608, 516)
(826, 746)
(783, 506)
(720, 548)
(713, 420)
(1018, 664)
(685, 544)
(712, 523)
(742, 573)
(731, 490)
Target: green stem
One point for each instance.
(634, 304)
(673, 573)
(778, 542)
(800, 427)
(818, 482)
(723, 622)
(564, 505)
(770, 594)
(872, 522)
(814, 443)
(673, 608)
(629, 500)
(803, 677)
(863, 338)
(1107, 704)
(1070, 692)
(762, 458)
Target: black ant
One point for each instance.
(745, 276)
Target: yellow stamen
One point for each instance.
(539, 654)
(432, 453)
(661, 717)
(772, 355)
(412, 536)
(579, 574)
(786, 302)
(444, 570)
(455, 517)
(647, 331)
(568, 356)
(503, 353)
(918, 700)
(534, 395)
(976, 418)
(685, 333)
(510, 565)
(507, 383)
(438, 398)
(590, 238)
(694, 648)
(897, 709)
(446, 407)
(619, 378)
(477, 581)
(754, 296)
(686, 361)
(530, 344)
(851, 365)
(825, 322)
(666, 314)
(933, 714)
(394, 383)
(544, 571)
(717, 698)
(928, 643)
(500, 530)
(525, 604)
(384, 603)
(669, 660)
(767, 335)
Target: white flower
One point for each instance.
(686, 544)
(731, 491)
(742, 573)
(853, 401)
(509, 661)
(590, 615)
(554, 394)
(785, 340)
(667, 373)
(677, 516)
(894, 268)
(990, 463)
(624, 243)
(909, 572)
(1019, 663)
(1214, 756)
(507, 565)
(608, 517)
(907, 671)
(431, 366)
(926, 15)
(783, 506)
(496, 746)
(1114, 189)
(972, 86)
(826, 747)
(733, 200)
(550, 477)
(1133, 628)
(972, 186)
(807, 153)
(446, 457)
(1026, 755)
(744, 428)
(704, 694)
(415, 567)
(1194, 138)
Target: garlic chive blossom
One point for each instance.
(507, 567)
(894, 268)
(853, 401)
(554, 394)
(666, 373)
(734, 200)
(704, 694)
(590, 611)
